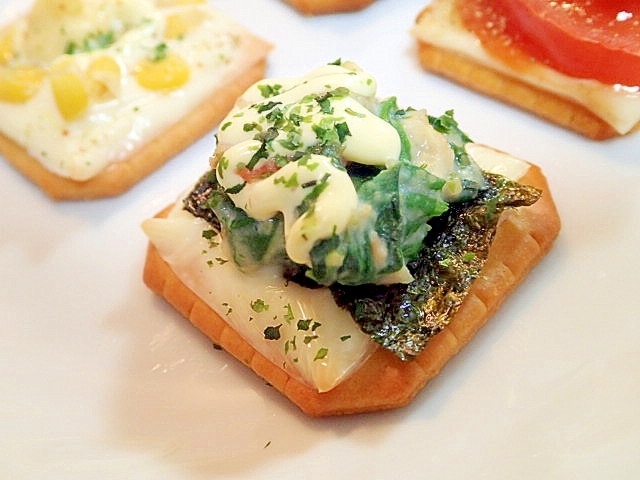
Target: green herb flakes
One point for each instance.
(304, 324)
(93, 41)
(259, 306)
(288, 316)
(160, 52)
(272, 332)
(321, 354)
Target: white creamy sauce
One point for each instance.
(208, 272)
(350, 90)
(263, 200)
(216, 49)
(617, 105)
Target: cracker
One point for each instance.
(384, 382)
(544, 104)
(325, 7)
(122, 175)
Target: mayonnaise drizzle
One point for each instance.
(299, 113)
(217, 50)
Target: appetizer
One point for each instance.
(97, 94)
(576, 64)
(324, 7)
(345, 248)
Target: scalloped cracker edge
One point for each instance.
(326, 7)
(383, 382)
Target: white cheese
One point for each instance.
(321, 351)
(215, 48)
(205, 269)
(494, 161)
(617, 105)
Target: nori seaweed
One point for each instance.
(403, 317)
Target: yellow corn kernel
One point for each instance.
(19, 84)
(103, 78)
(169, 73)
(6, 45)
(70, 95)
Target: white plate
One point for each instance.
(100, 379)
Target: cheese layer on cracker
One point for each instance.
(617, 105)
(302, 330)
(84, 83)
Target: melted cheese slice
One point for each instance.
(617, 105)
(211, 47)
(327, 345)
(319, 343)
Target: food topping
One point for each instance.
(350, 181)
(594, 39)
(85, 82)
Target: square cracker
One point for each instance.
(523, 237)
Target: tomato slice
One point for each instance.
(598, 39)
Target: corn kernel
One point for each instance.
(169, 73)
(6, 45)
(17, 85)
(103, 78)
(70, 95)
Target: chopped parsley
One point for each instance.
(321, 354)
(270, 90)
(259, 306)
(160, 52)
(93, 41)
(272, 332)
(288, 317)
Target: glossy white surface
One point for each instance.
(100, 379)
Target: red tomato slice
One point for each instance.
(597, 39)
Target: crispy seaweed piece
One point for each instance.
(403, 317)
(197, 201)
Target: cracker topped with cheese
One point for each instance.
(96, 94)
(474, 47)
(338, 244)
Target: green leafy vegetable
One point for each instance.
(403, 317)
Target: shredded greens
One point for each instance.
(403, 317)
(443, 244)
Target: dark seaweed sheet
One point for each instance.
(403, 317)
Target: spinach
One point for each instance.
(253, 242)
(405, 197)
(403, 317)
(468, 171)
